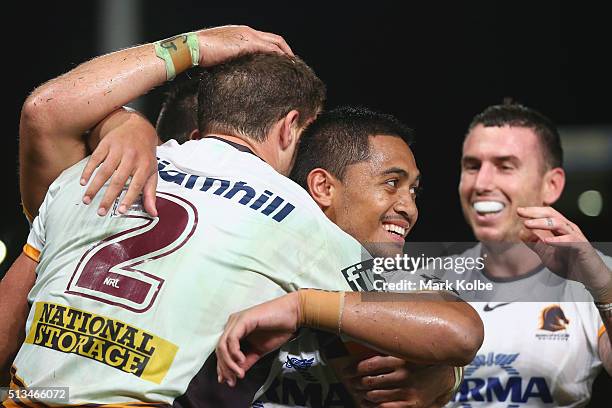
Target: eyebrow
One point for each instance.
(510, 158)
(497, 159)
(400, 172)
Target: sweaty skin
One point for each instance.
(388, 322)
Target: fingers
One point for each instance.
(229, 41)
(537, 212)
(396, 378)
(373, 366)
(380, 395)
(250, 360)
(549, 219)
(94, 161)
(224, 372)
(261, 43)
(142, 181)
(551, 224)
(270, 41)
(148, 195)
(119, 165)
(278, 40)
(104, 173)
(236, 355)
(115, 187)
(229, 355)
(134, 189)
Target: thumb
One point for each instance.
(251, 357)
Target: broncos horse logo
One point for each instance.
(553, 319)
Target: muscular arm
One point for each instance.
(56, 115)
(14, 309)
(423, 328)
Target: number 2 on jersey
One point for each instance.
(108, 272)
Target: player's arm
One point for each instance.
(56, 115)
(604, 304)
(14, 308)
(605, 347)
(419, 328)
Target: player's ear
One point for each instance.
(554, 181)
(322, 186)
(195, 135)
(289, 129)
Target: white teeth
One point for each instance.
(395, 228)
(488, 206)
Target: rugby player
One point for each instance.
(124, 293)
(358, 166)
(542, 347)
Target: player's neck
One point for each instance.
(266, 151)
(259, 149)
(243, 141)
(509, 260)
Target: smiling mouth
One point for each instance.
(488, 207)
(396, 231)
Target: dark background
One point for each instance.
(434, 66)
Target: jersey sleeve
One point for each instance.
(27, 214)
(36, 238)
(335, 261)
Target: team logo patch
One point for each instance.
(301, 366)
(553, 319)
(299, 363)
(361, 277)
(100, 338)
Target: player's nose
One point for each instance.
(407, 208)
(485, 178)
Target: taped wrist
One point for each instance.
(321, 309)
(179, 53)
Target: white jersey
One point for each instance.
(540, 346)
(128, 308)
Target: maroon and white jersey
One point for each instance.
(128, 308)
